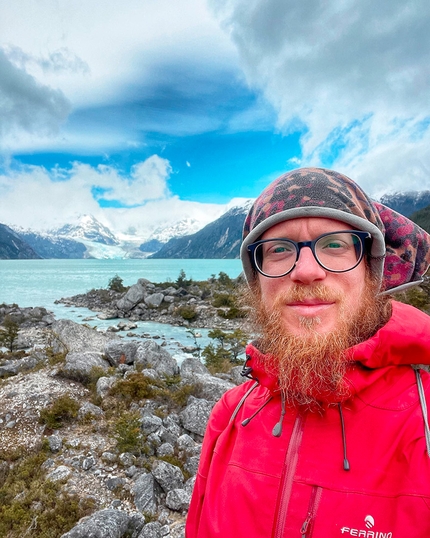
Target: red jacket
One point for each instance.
(252, 484)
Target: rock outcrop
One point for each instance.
(131, 445)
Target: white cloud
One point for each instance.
(26, 105)
(352, 73)
(40, 199)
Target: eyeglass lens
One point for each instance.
(336, 252)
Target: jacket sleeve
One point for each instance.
(218, 422)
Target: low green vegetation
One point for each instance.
(32, 506)
(64, 409)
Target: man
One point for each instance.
(330, 436)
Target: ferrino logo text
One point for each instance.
(369, 523)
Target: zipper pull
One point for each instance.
(305, 527)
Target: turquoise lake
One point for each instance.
(42, 282)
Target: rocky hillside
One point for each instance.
(100, 436)
(50, 246)
(13, 247)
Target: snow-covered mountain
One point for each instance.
(406, 203)
(87, 228)
(218, 239)
(163, 234)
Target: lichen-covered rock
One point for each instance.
(212, 388)
(144, 490)
(167, 475)
(151, 355)
(120, 352)
(88, 409)
(71, 336)
(80, 363)
(134, 295)
(178, 499)
(196, 415)
(191, 366)
(108, 523)
(154, 300)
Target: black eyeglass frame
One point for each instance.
(363, 236)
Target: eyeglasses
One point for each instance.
(336, 252)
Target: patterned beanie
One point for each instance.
(400, 251)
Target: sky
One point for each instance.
(147, 112)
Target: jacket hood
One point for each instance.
(400, 250)
(403, 340)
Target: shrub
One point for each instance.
(232, 313)
(136, 387)
(187, 312)
(222, 299)
(64, 409)
(9, 334)
(225, 280)
(26, 486)
(128, 434)
(182, 280)
(216, 359)
(116, 284)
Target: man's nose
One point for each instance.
(307, 269)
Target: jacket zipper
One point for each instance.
(314, 502)
(290, 465)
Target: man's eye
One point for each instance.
(280, 249)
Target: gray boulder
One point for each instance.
(150, 423)
(151, 355)
(212, 388)
(167, 475)
(89, 409)
(177, 531)
(108, 523)
(80, 363)
(152, 530)
(14, 367)
(134, 295)
(144, 491)
(120, 352)
(104, 384)
(59, 473)
(196, 415)
(178, 499)
(71, 336)
(190, 367)
(154, 300)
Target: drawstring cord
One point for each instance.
(346, 465)
(242, 400)
(423, 403)
(248, 420)
(277, 430)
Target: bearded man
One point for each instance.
(330, 435)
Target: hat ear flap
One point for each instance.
(407, 250)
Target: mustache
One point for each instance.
(300, 292)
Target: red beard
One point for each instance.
(311, 366)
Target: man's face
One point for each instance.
(296, 295)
